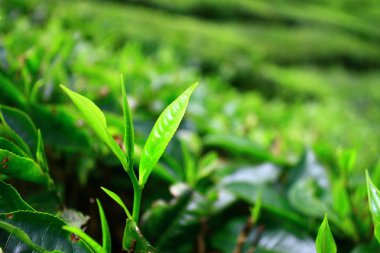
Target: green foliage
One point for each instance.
(10, 199)
(21, 128)
(374, 205)
(105, 229)
(14, 165)
(97, 121)
(162, 132)
(133, 240)
(325, 242)
(129, 139)
(118, 200)
(276, 77)
(37, 224)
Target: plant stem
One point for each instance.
(136, 202)
(137, 190)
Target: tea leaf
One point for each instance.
(374, 205)
(180, 218)
(325, 242)
(10, 200)
(20, 234)
(42, 229)
(118, 200)
(129, 139)
(97, 121)
(21, 128)
(11, 147)
(22, 168)
(133, 240)
(161, 134)
(86, 238)
(106, 236)
(9, 92)
(63, 130)
(40, 154)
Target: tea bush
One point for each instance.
(269, 157)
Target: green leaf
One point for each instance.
(62, 130)
(271, 239)
(43, 229)
(20, 234)
(21, 128)
(134, 241)
(346, 161)
(189, 164)
(86, 238)
(325, 242)
(10, 93)
(106, 236)
(10, 200)
(118, 200)
(374, 205)
(23, 168)
(97, 121)
(162, 132)
(283, 240)
(129, 139)
(11, 147)
(40, 154)
(256, 209)
(304, 198)
(272, 199)
(242, 147)
(176, 221)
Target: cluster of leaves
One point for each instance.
(197, 205)
(214, 188)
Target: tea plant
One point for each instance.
(237, 177)
(162, 132)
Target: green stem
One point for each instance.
(137, 190)
(136, 203)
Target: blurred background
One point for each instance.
(284, 74)
(276, 77)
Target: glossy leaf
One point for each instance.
(161, 134)
(23, 168)
(374, 205)
(11, 147)
(43, 229)
(129, 139)
(134, 241)
(10, 200)
(97, 121)
(21, 128)
(96, 247)
(325, 242)
(106, 236)
(20, 234)
(118, 200)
